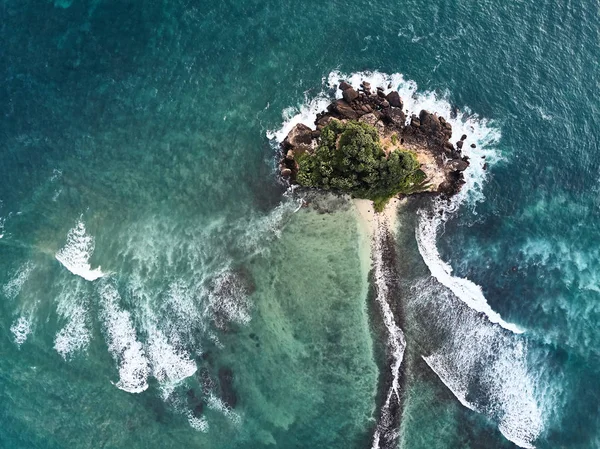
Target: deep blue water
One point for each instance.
(134, 138)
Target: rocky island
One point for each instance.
(364, 145)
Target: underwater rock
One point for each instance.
(228, 394)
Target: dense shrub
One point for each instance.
(350, 159)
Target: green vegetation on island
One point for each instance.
(350, 158)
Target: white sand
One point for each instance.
(369, 219)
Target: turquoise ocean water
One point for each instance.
(160, 289)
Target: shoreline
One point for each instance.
(370, 220)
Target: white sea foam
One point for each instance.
(21, 329)
(13, 287)
(122, 342)
(215, 403)
(484, 366)
(200, 424)
(75, 335)
(305, 114)
(170, 365)
(75, 255)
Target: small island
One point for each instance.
(364, 146)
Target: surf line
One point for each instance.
(383, 257)
(464, 289)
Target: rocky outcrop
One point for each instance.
(427, 134)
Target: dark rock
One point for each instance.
(316, 134)
(366, 86)
(323, 121)
(365, 108)
(344, 85)
(226, 382)
(463, 137)
(485, 166)
(350, 95)
(394, 117)
(345, 110)
(449, 147)
(394, 99)
(198, 409)
(286, 172)
(380, 93)
(300, 137)
(379, 88)
(385, 104)
(458, 165)
(473, 145)
(389, 85)
(459, 144)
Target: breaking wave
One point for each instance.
(467, 291)
(122, 342)
(21, 329)
(75, 335)
(75, 255)
(170, 364)
(484, 365)
(13, 287)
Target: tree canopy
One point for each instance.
(350, 159)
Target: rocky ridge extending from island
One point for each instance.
(427, 135)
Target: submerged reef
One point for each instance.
(364, 145)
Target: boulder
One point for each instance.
(415, 122)
(198, 409)
(366, 85)
(394, 99)
(345, 110)
(290, 155)
(394, 117)
(380, 93)
(344, 85)
(350, 95)
(473, 145)
(458, 165)
(459, 144)
(385, 104)
(286, 172)
(463, 137)
(299, 136)
(323, 121)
